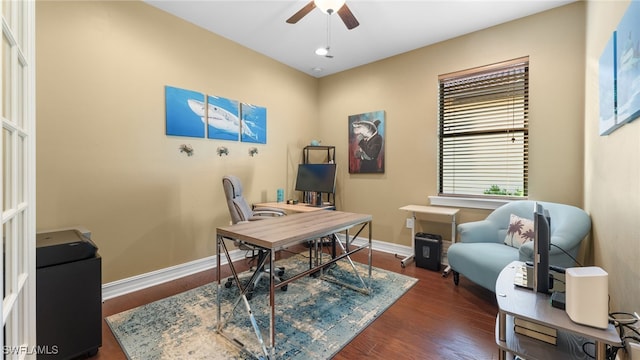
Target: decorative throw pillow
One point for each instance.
(519, 232)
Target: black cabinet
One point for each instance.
(68, 298)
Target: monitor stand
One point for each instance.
(524, 277)
(317, 199)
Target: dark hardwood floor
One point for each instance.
(433, 320)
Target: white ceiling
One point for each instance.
(387, 27)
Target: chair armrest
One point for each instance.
(263, 212)
(478, 231)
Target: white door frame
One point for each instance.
(17, 183)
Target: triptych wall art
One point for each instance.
(619, 77)
(194, 114)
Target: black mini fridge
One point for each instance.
(68, 295)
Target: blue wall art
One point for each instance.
(628, 64)
(184, 112)
(619, 73)
(254, 124)
(607, 89)
(194, 114)
(223, 118)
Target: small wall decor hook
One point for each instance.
(222, 150)
(253, 151)
(184, 148)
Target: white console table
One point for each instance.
(436, 214)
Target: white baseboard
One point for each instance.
(143, 281)
(157, 277)
(383, 246)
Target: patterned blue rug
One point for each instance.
(314, 318)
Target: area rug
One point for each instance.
(315, 318)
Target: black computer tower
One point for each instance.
(428, 251)
(68, 296)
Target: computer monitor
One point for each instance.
(319, 178)
(541, 248)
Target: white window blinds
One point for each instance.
(484, 131)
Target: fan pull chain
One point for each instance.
(329, 31)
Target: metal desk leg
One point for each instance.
(410, 257)
(220, 246)
(272, 303)
(601, 350)
(370, 253)
(218, 297)
(502, 333)
(453, 239)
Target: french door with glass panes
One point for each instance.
(17, 142)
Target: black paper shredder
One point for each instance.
(428, 251)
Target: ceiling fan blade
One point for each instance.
(347, 17)
(301, 13)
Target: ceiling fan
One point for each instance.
(328, 7)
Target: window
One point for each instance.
(483, 134)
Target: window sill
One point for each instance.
(471, 203)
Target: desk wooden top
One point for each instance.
(280, 231)
(300, 207)
(435, 210)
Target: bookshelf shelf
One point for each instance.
(329, 158)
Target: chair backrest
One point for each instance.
(564, 218)
(569, 226)
(239, 209)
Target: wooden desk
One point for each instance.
(438, 211)
(299, 207)
(279, 232)
(524, 303)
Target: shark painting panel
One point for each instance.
(254, 124)
(180, 119)
(223, 118)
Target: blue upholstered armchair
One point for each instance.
(481, 253)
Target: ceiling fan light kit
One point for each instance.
(329, 6)
(322, 51)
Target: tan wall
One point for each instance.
(103, 159)
(612, 173)
(406, 87)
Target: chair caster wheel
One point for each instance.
(284, 288)
(228, 283)
(280, 272)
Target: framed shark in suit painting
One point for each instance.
(366, 142)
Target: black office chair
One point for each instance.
(240, 212)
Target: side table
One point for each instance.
(516, 302)
(437, 213)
